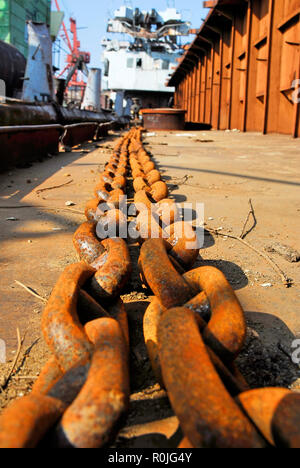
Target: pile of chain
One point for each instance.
(194, 329)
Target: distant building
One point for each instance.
(13, 17)
(242, 69)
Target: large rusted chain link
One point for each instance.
(91, 420)
(106, 279)
(145, 176)
(89, 366)
(212, 305)
(194, 329)
(158, 215)
(87, 310)
(167, 360)
(223, 332)
(205, 291)
(62, 330)
(110, 257)
(208, 416)
(25, 423)
(226, 330)
(215, 311)
(111, 186)
(230, 376)
(276, 412)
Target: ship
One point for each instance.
(136, 70)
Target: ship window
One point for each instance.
(130, 63)
(165, 65)
(139, 63)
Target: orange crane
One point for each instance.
(76, 60)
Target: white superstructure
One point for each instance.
(141, 67)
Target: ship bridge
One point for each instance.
(140, 66)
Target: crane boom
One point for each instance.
(76, 60)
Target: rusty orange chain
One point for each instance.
(194, 329)
(83, 390)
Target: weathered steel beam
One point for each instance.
(21, 145)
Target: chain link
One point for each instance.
(194, 329)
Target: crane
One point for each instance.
(76, 63)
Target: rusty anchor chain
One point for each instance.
(194, 328)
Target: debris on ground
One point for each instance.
(266, 365)
(288, 253)
(198, 140)
(262, 363)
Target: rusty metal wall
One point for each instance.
(242, 68)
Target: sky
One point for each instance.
(92, 16)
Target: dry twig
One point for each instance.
(5, 381)
(7, 207)
(54, 187)
(181, 180)
(63, 209)
(251, 213)
(31, 291)
(288, 282)
(25, 377)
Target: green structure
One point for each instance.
(13, 17)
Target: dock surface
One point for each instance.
(222, 170)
